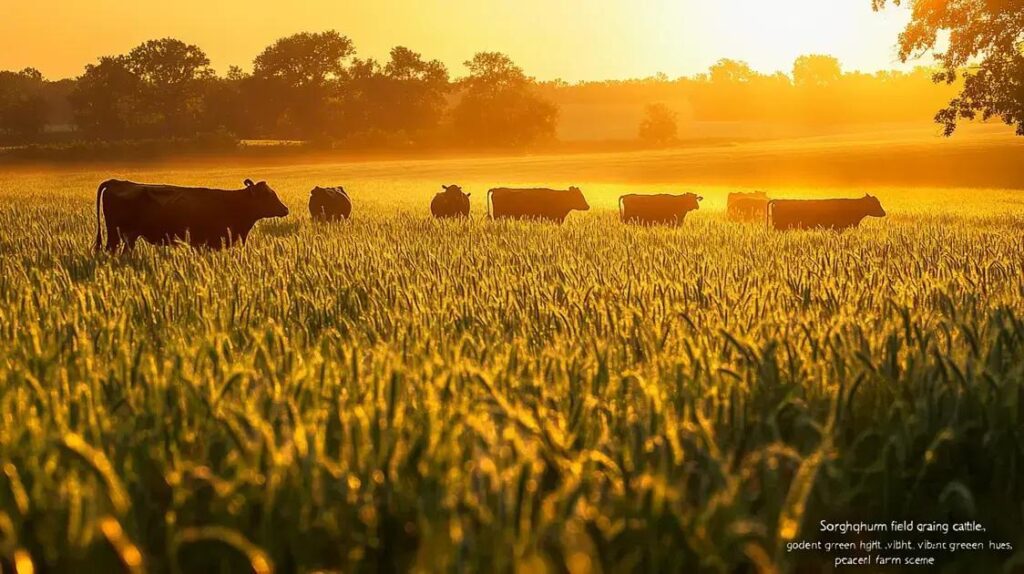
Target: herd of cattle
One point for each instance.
(163, 214)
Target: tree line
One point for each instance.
(312, 87)
(308, 86)
(815, 92)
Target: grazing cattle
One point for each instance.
(329, 204)
(747, 206)
(450, 203)
(663, 209)
(163, 214)
(827, 213)
(540, 203)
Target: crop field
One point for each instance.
(396, 393)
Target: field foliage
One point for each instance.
(397, 392)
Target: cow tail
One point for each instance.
(99, 230)
(489, 193)
(622, 207)
(768, 214)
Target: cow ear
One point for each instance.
(700, 198)
(468, 194)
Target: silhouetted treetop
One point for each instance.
(31, 74)
(157, 89)
(990, 32)
(816, 70)
(500, 106)
(406, 64)
(106, 99)
(494, 71)
(726, 70)
(169, 62)
(306, 58)
(405, 98)
(23, 108)
(659, 124)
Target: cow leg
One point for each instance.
(113, 237)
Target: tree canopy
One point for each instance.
(312, 87)
(499, 106)
(306, 59)
(156, 89)
(816, 70)
(985, 49)
(731, 71)
(22, 107)
(659, 125)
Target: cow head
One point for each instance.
(691, 201)
(263, 200)
(873, 206)
(576, 199)
(453, 189)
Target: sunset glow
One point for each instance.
(572, 40)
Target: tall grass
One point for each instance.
(397, 392)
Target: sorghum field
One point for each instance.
(398, 393)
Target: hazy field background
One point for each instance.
(400, 392)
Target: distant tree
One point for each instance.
(989, 33)
(106, 100)
(306, 59)
(404, 98)
(816, 70)
(23, 108)
(365, 98)
(499, 104)
(731, 71)
(419, 90)
(224, 107)
(173, 76)
(659, 124)
(730, 91)
(156, 90)
(302, 75)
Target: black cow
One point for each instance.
(747, 206)
(329, 204)
(538, 203)
(163, 214)
(827, 213)
(450, 202)
(662, 208)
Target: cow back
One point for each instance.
(816, 213)
(657, 209)
(529, 203)
(329, 204)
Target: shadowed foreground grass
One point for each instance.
(397, 392)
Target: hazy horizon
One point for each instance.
(615, 41)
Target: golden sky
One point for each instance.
(568, 39)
